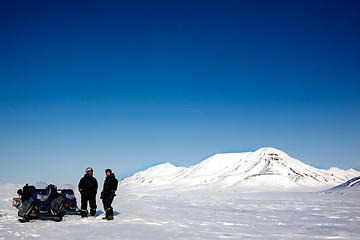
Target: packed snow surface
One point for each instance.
(202, 214)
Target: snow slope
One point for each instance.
(265, 168)
(349, 187)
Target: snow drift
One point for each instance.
(265, 168)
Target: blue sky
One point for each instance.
(131, 84)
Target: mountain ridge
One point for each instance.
(351, 186)
(267, 168)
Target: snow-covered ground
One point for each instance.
(264, 194)
(202, 214)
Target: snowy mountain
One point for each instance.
(351, 186)
(264, 168)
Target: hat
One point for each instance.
(89, 169)
(108, 170)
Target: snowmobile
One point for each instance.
(67, 192)
(44, 202)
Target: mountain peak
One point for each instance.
(269, 151)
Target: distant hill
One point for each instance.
(264, 168)
(353, 185)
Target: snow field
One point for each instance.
(203, 214)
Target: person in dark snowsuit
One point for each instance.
(108, 193)
(26, 192)
(88, 186)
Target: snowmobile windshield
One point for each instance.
(67, 186)
(43, 191)
(41, 185)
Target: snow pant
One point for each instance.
(92, 202)
(107, 200)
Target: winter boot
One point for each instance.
(109, 214)
(83, 213)
(108, 217)
(92, 212)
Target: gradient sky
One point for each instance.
(131, 84)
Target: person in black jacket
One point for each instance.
(108, 193)
(26, 192)
(88, 188)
